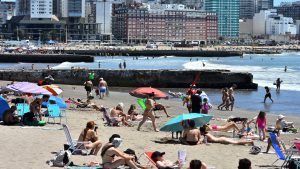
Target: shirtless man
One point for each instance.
(150, 105)
(192, 135)
(88, 85)
(231, 95)
(102, 87)
(119, 116)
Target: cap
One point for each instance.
(156, 154)
(280, 116)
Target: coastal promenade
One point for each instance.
(137, 78)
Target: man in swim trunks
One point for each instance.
(192, 135)
(231, 95)
(88, 86)
(102, 87)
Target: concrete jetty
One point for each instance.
(138, 78)
(44, 58)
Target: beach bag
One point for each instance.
(255, 150)
(97, 92)
(61, 159)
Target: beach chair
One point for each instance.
(74, 145)
(55, 112)
(22, 108)
(148, 156)
(274, 142)
(108, 120)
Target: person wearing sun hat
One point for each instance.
(283, 125)
(160, 162)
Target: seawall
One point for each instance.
(138, 78)
(154, 52)
(44, 58)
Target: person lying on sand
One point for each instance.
(228, 126)
(191, 136)
(222, 140)
(112, 157)
(161, 163)
(90, 134)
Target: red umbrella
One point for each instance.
(142, 92)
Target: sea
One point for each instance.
(265, 69)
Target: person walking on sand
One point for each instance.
(148, 113)
(88, 86)
(196, 102)
(231, 96)
(268, 94)
(278, 83)
(103, 88)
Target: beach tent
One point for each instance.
(59, 101)
(25, 87)
(3, 107)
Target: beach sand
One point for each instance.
(30, 148)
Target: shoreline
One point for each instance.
(34, 153)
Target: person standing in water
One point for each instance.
(268, 94)
(148, 113)
(278, 83)
(124, 64)
(231, 95)
(285, 68)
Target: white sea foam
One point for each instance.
(263, 76)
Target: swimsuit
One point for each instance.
(102, 89)
(214, 127)
(192, 142)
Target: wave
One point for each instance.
(262, 75)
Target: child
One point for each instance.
(268, 94)
(261, 123)
(205, 107)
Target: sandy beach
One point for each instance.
(30, 148)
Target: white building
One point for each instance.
(41, 8)
(268, 22)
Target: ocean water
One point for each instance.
(265, 69)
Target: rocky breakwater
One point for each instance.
(138, 78)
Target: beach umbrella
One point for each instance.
(142, 92)
(3, 107)
(55, 90)
(176, 123)
(59, 101)
(26, 87)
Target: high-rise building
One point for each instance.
(247, 9)
(263, 5)
(136, 23)
(228, 16)
(23, 7)
(76, 8)
(7, 10)
(290, 10)
(41, 8)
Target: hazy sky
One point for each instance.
(277, 2)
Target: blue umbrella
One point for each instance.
(3, 107)
(59, 101)
(175, 124)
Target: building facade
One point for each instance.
(263, 5)
(136, 23)
(41, 9)
(290, 10)
(228, 16)
(268, 22)
(247, 9)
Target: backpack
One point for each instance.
(61, 159)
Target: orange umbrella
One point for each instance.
(142, 92)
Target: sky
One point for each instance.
(277, 2)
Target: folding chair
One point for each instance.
(274, 142)
(148, 155)
(55, 112)
(74, 145)
(22, 108)
(108, 120)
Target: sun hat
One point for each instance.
(281, 116)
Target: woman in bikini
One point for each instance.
(223, 140)
(226, 127)
(90, 134)
(112, 157)
(133, 114)
(148, 113)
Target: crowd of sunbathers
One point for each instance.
(114, 157)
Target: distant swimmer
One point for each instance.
(203, 64)
(99, 65)
(124, 64)
(32, 66)
(197, 59)
(285, 68)
(191, 59)
(48, 66)
(120, 65)
(268, 94)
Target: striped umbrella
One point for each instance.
(55, 90)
